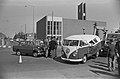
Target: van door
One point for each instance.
(84, 49)
(92, 47)
(95, 46)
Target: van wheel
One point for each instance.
(18, 52)
(84, 60)
(35, 54)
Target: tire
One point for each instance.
(35, 54)
(84, 59)
(18, 53)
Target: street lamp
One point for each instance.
(33, 17)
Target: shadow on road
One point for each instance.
(98, 72)
(99, 62)
(98, 67)
(102, 68)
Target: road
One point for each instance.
(47, 68)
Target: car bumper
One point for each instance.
(72, 60)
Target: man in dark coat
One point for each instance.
(52, 47)
(117, 46)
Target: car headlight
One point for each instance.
(75, 53)
(38, 50)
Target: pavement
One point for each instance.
(47, 68)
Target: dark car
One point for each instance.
(104, 51)
(29, 48)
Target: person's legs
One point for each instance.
(55, 51)
(118, 60)
(109, 63)
(46, 52)
(113, 63)
(52, 53)
(49, 52)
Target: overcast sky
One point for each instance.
(14, 15)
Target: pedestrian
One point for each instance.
(111, 55)
(46, 42)
(56, 45)
(52, 47)
(117, 46)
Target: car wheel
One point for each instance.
(84, 60)
(35, 54)
(18, 52)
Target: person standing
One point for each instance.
(111, 55)
(46, 42)
(52, 47)
(117, 46)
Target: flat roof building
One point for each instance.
(60, 27)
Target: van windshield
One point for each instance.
(70, 42)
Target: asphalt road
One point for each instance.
(47, 68)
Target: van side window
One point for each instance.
(91, 42)
(82, 43)
(95, 40)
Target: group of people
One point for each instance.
(51, 47)
(113, 54)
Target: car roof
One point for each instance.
(81, 37)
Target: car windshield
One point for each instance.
(70, 42)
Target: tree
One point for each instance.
(20, 35)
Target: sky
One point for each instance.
(14, 15)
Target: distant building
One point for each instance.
(82, 11)
(60, 27)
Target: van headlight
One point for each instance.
(67, 50)
(74, 53)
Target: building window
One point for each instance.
(49, 23)
(54, 28)
(49, 27)
(48, 30)
(60, 28)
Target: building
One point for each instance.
(60, 27)
(82, 11)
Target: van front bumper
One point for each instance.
(72, 60)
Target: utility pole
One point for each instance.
(25, 28)
(52, 25)
(33, 17)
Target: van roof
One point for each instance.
(82, 37)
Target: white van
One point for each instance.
(78, 47)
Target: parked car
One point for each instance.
(78, 48)
(29, 48)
